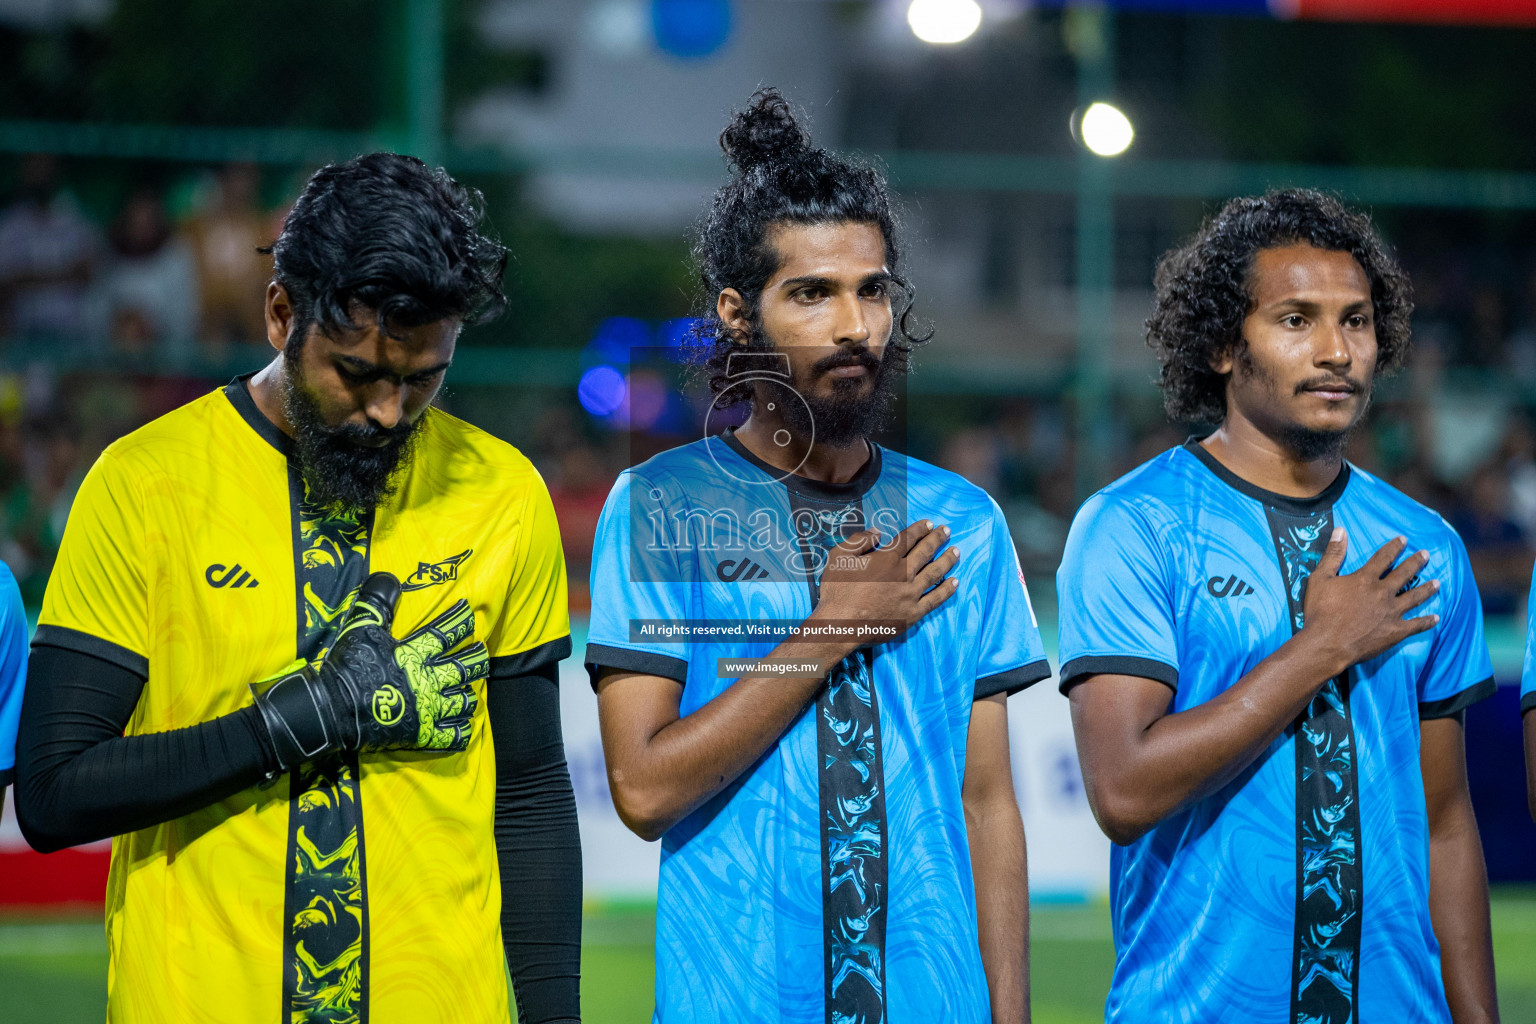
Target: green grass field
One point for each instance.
(54, 971)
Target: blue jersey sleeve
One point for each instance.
(1115, 596)
(634, 580)
(1459, 672)
(1011, 653)
(1528, 671)
(13, 669)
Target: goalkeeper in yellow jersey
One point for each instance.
(299, 655)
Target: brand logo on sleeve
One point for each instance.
(1229, 587)
(430, 574)
(740, 570)
(220, 576)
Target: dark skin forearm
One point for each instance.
(998, 862)
(1141, 764)
(1458, 878)
(662, 767)
(1528, 724)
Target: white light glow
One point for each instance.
(1107, 131)
(944, 21)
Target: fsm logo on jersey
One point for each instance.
(430, 574)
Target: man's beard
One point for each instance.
(341, 471)
(1306, 443)
(844, 417)
(1311, 445)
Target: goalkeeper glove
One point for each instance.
(373, 692)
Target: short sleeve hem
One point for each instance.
(1077, 669)
(95, 646)
(1013, 680)
(1458, 702)
(506, 666)
(7, 776)
(1527, 701)
(602, 657)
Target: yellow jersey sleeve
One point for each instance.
(98, 598)
(534, 626)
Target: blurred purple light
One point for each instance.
(646, 400)
(601, 390)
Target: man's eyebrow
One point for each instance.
(1313, 306)
(363, 367)
(355, 363)
(827, 282)
(813, 279)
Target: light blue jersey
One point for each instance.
(13, 669)
(831, 881)
(1528, 670)
(1299, 892)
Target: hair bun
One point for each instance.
(766, 131)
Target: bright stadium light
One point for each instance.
(944, 21)
(1106, 130)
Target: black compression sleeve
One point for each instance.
(79, 779)
(538, 846)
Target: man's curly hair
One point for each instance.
(1203, 291)
(779, 177)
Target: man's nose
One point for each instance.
(1331, 347)
(386, 404)
(852, 326)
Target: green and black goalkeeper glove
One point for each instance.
(374, 692)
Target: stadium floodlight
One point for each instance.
(1106, 130)
(944, 21)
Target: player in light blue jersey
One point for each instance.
(13, 671)
(1268, 653)
(1528, 700)
(840, 842)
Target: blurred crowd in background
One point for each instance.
(112, 319)
(84, 303)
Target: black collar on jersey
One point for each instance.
(1284, 502)
(862, 481)
(239, 394)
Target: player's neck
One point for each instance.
(266, 388)
(1268, 462)
(817, 462)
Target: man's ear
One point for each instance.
(1223, 361)
(731, 308)
(279, 315)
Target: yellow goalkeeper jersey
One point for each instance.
(361, 888)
